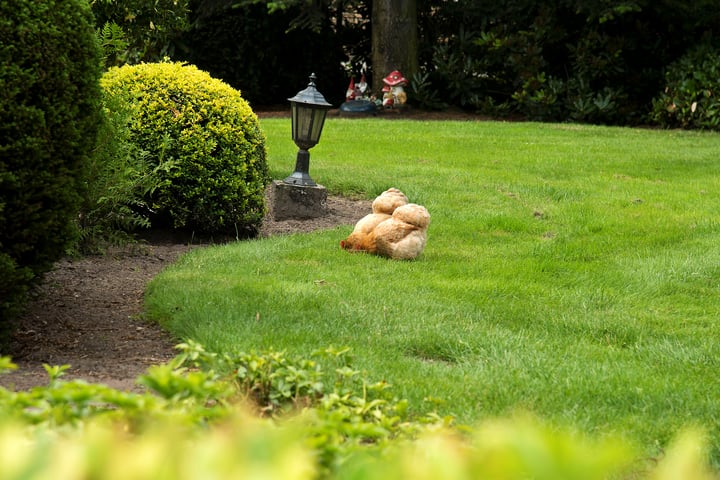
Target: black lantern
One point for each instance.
(309, 109)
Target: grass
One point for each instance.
(571, 271)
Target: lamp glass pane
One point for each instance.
(303, 123)
(317, 124)
(295, 123)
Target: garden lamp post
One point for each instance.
(309, 109)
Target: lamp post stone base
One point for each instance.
(297, 201)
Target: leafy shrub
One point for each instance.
(141, 31)
(598, 62)
(463, 75)
(692, 90)
(119, 177)
(423, 94)
(203, 142)
(347, 428)
(50, 64)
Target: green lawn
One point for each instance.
(570, 271)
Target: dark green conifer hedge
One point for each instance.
(50, 64)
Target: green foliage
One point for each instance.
(589, 84)
(14, 285)
(119, 178)
(112, 40)
(596, 61)
(257, 53)
(136, 31)
(464, 75)
(203, 143)
(49, 116)
(342, 413)
(198, 429)
(690, 98)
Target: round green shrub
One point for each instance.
(691, 98)
(50, 64)
(204, 144)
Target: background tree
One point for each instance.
(394, 39)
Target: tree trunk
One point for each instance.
(394, 39)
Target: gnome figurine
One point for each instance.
(350, 94)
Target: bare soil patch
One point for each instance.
(87, 312)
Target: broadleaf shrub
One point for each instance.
(691, 98)
(198, 428)
(140, 31)
(50, 63)
(203, 142)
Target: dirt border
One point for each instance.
(87, 312)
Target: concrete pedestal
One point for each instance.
(297, 201)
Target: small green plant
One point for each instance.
(692, 90)
(464, 77)
(203, 143)
(196, 429)
(114, 45)
(423, 94)
(119, 179)
(541, 98)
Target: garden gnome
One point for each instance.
(350, 94)
(361, 87)
(393, 92)
(357, 99)
(356, 91)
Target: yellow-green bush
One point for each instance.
(331, 424)
(204, 144)
(246, 447)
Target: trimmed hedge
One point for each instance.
(50, 63)
(204, 144)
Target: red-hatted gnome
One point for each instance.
(350, 94)
(356, 91)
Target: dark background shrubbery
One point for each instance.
(254, 52)
(568, 60)
(690, 98)
(49, 114)
(150, 29)
(596, 62)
